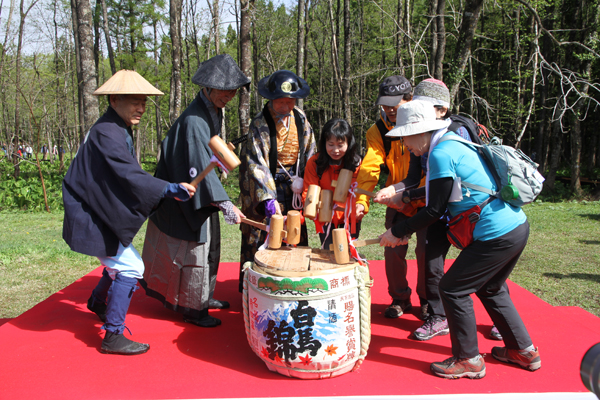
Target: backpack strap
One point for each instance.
(478, 148)
(387, 143)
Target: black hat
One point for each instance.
(220, 72)
(392, 89)
(283, 83)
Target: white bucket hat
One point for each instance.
(416, 117)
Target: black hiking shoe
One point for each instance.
(117, 343)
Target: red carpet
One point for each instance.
(52, 352)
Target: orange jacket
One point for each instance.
(397, 161)
(330, 174)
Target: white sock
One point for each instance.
(528, 349)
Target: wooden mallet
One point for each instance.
(340, 245)
(225, 155)
(342, 185)
(276, 232)
(312, 201)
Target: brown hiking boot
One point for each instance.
(397, 308)
(454, 368)
(529, 360)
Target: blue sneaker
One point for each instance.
(434, 326)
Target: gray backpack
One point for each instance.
(516, 174)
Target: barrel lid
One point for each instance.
(298, 261)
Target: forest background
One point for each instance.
(524, 69)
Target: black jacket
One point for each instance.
(185, 154)
(106, 194)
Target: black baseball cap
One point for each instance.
(392, 89)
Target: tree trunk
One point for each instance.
(441, 40)
(433, 6)
(157, 99)
(465, 38)
(347, 58)
(88, 79)
(399, 35)
(22, 15)
(214, 11)
(246, 9)
(300, 44)
(111, 54)
(175, 31)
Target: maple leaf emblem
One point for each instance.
(330, 350)
(278, 359)
(265, 353)
(306, 360)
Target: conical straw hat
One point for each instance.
(127, 82)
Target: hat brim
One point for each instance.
(127, 82)
(389, 101)
(434, 101)
(267, 94)
(418, 127)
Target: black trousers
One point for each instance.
(483, 268)
(436, 249)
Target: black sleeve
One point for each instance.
(414, 174)
(417, 194)
(439, 193)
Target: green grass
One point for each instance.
(560, 264)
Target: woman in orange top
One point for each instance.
(337, 149)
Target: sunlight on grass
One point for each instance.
(560, 263)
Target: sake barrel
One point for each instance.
(306, 316)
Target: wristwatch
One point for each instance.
(406, 196)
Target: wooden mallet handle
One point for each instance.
(361, 242)
(203, 174)
(255, 224)
(224, 153)
(363, 191)
(357, 190)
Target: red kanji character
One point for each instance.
(349, 306)
(349, 319)
(351, 344)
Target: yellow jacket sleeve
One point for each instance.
(368, 175)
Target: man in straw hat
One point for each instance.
(499, 233)
(182, 248)
(280, 141)
(385, 155)
(107, 197)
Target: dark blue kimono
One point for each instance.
(106, 194)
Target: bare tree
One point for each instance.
(347, 63)
(23, 11)
(111, 54)
(215, 22)
(465, 38)
(87, 80)
(246, 7)
(175, 31)
(301, 37)
(438, 56)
